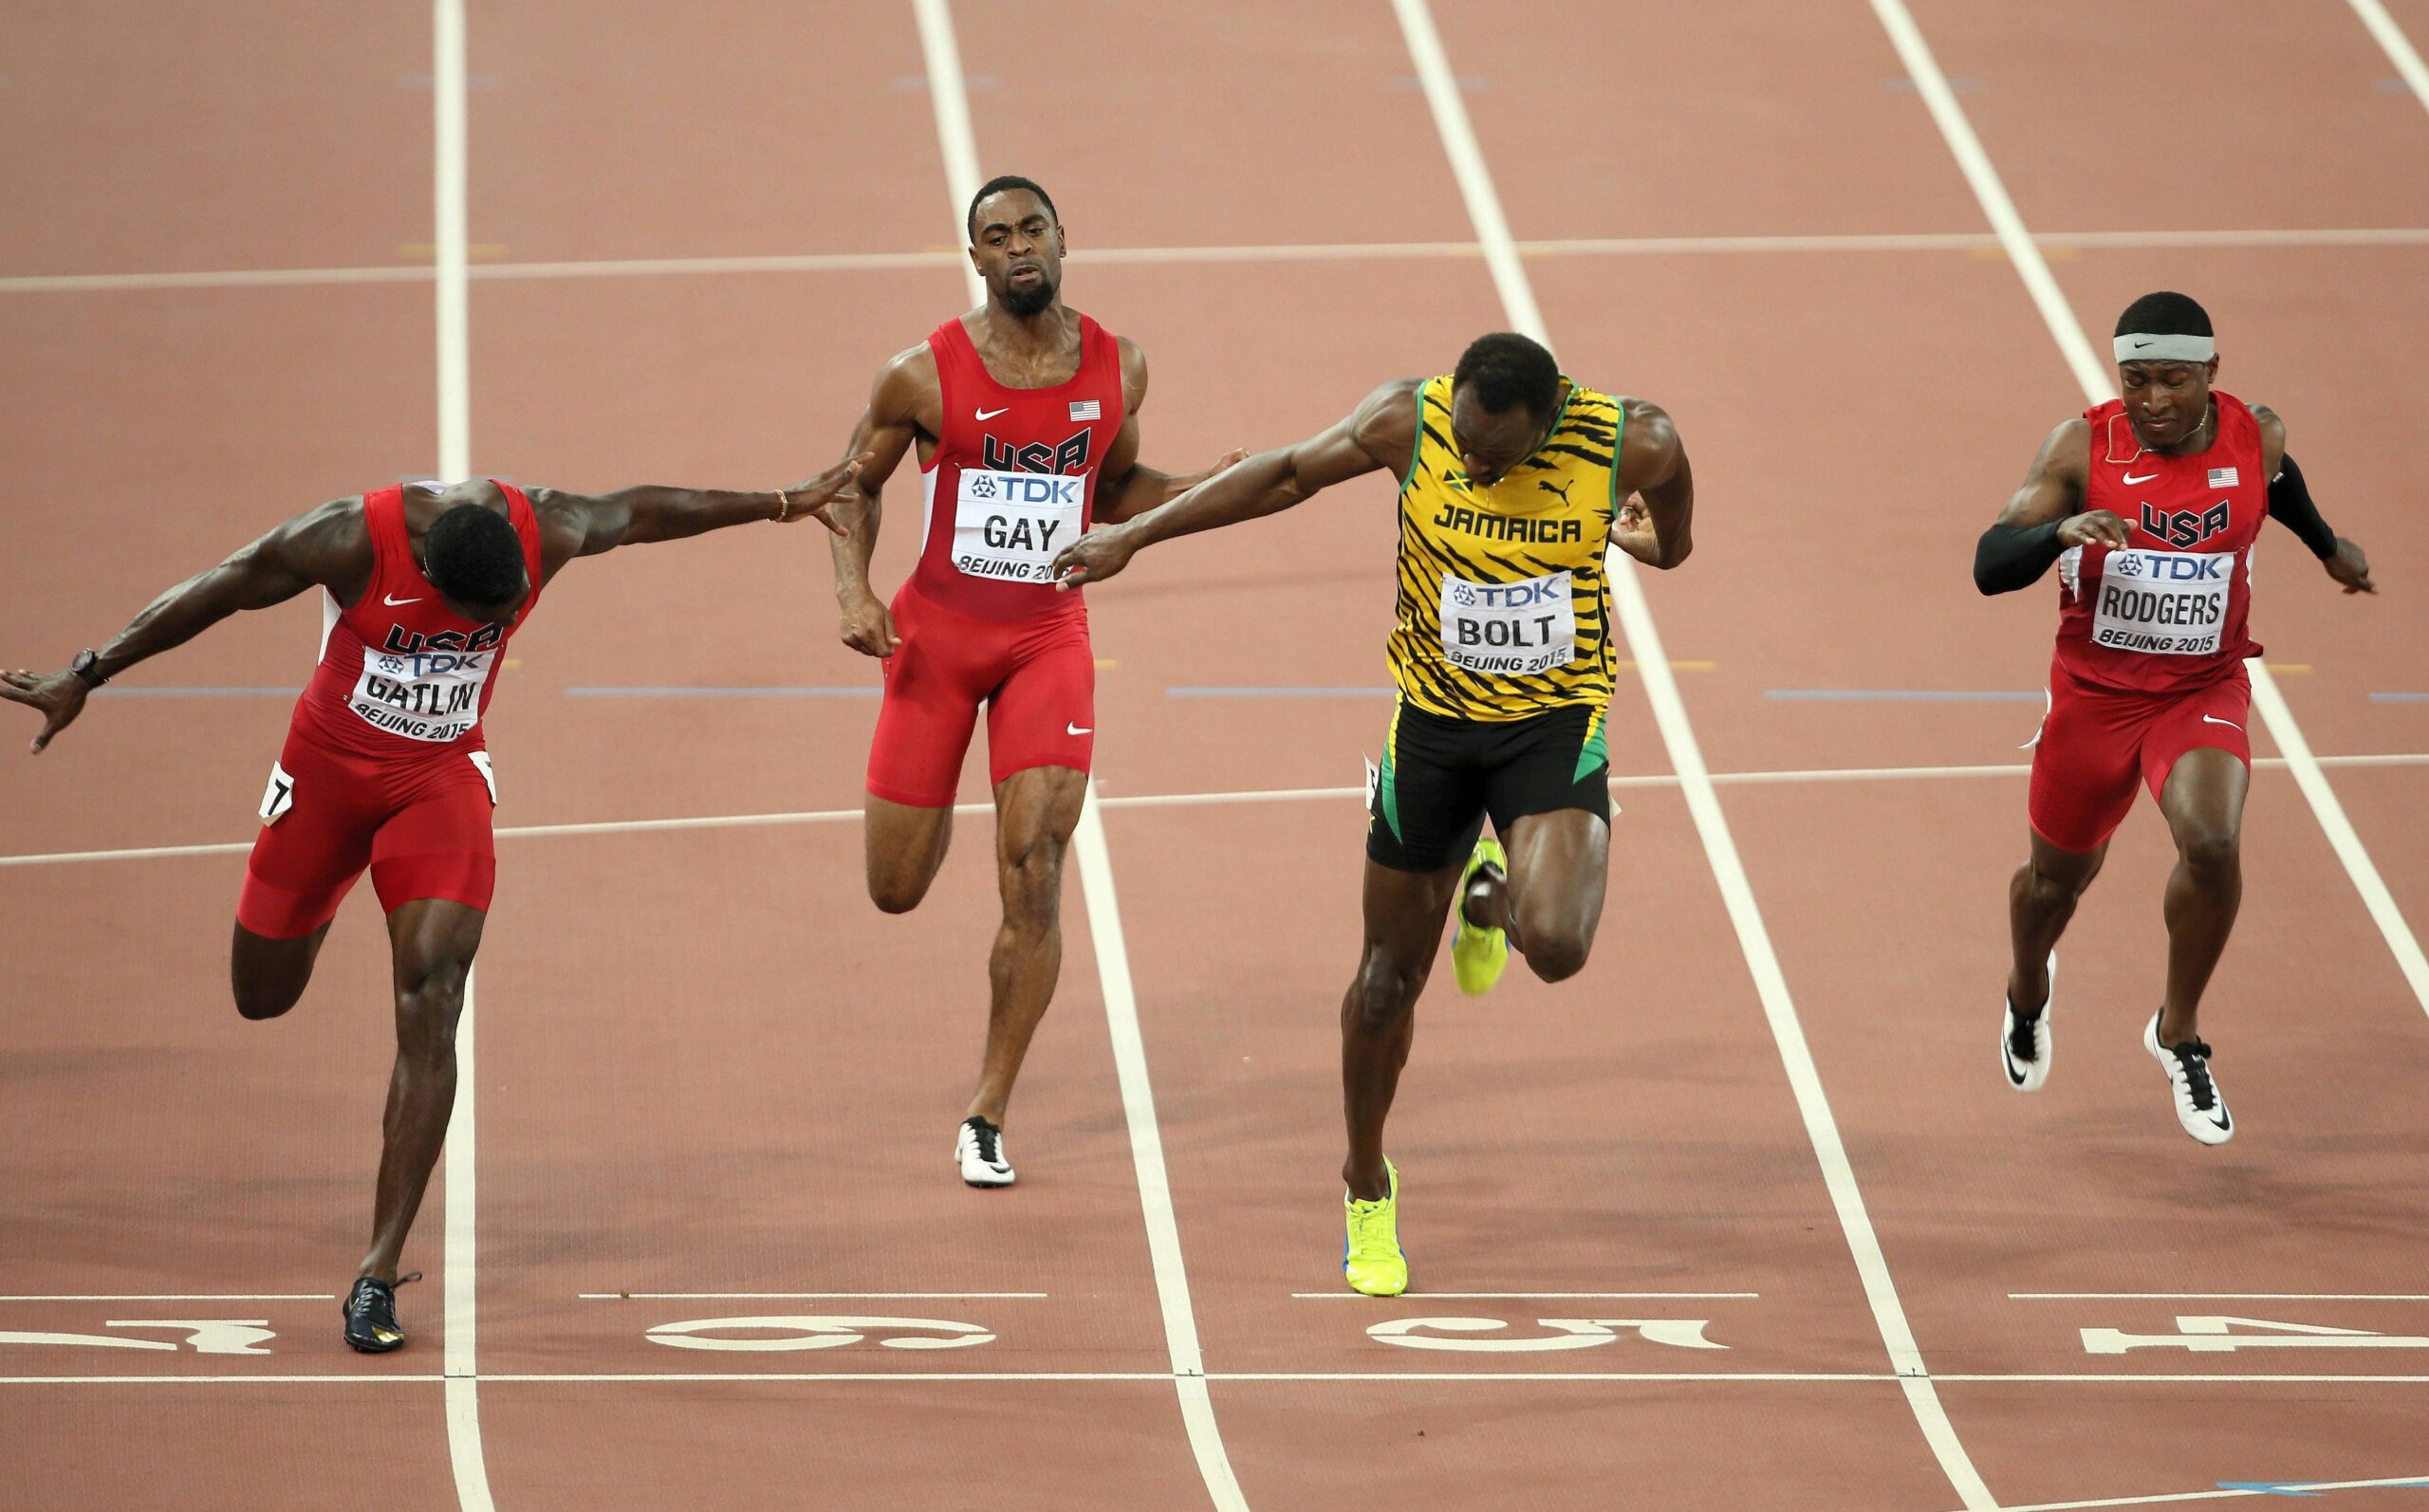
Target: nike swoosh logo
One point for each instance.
(2138, 345)
(393, 601)
(2144, 478)
(2212, 719)
(1074, 729)
(988, 414)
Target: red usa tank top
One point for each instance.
(402, 677)
(1013, 479)
(2168, 611)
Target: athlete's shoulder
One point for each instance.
(2066, 451)
(1134, 370)
(1389, 416)
(907, 383)
(1649, 444)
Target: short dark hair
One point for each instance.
(2164, 314)
(476, 556)
(1506, 369)
(996, 186)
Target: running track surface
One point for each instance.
(705, 1066)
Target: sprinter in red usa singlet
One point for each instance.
(2151, 506)
(1025, 414)
(385, 768)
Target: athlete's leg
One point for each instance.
(270, 974)
(1551, 901)
(2041, 899)
(907, 845)
(2203, 801)
(1404, 913)
(432, 942)
(1035, 812)
(933, 684)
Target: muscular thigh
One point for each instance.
(319, 814)
(1425, 806)
(440, 843)
(2086, 762)
(1043, 714)
(1553, 763)
(934, 682)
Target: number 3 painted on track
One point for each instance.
(816, 1332)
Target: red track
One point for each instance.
(705, 1065)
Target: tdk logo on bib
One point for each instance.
(2169, 567)
(1008, 525)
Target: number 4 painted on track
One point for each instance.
(208, 1336)
(2217, 1336)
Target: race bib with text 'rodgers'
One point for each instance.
(1008, 525)
(1513, 629)
(2165, 603)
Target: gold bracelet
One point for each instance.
(786, 512)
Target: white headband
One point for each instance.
(2166, 348)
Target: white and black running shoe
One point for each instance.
(2023, 1043)
(2198, 1105)
(980, 1150)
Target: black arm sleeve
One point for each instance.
(2289, 504)
(2014, 555)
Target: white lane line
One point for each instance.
(1703, 803)
(1429, 1297)
(2098, 384)
(768, 1297)
(2219, 1297)
(716, 1378)
(1164, 256)
(943, 55)
(465, 1452)
(2254, 1488)
(1272, 795)
(2397, 46)
(172, 1297)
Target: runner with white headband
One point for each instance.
(2149, 506)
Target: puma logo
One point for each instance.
(1562, 489)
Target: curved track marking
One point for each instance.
(945, 84)
(1703, 800)
(2096, 380)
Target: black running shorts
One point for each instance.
(1440, 778)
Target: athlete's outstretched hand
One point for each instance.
(812, 496)
(2350, 567)
(60, 697)
(1094, 557)
(2101, 527)
(1633, 533)
(869, 627)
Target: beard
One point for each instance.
(1029, 300)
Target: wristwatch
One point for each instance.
(84, 667)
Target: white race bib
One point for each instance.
(431, 695)
(1514, 629)
(2163, 603)
(1008, 525)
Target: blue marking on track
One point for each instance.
(721, 693)
(2268, 1487)
(2399, 698)
(1907, 695)
(1281, 692)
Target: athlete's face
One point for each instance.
(2166, 401)
(1489, 445)
(1018, 250)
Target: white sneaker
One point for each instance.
(980, 1150)
(2198, 1105)
(2024, 1046)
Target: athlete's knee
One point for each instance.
(896, 894)
(2050, 890)
(1032, 878)
(2212, 850)
(1555, 955)
(1386, 991)
(260, 1000)
(428, 1010)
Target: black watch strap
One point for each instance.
(85, 668)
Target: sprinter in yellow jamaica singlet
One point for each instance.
(1515, 480)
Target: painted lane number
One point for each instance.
(206, 1335)
(818, 1331)
(2221, 1335)
(1564, 1333)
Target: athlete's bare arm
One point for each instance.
(574, 524)
(1124, 488)
(1380, 434)
(906, 404)
(2044, 518)
(1657, 489)
(2346, 565)
(325, 547)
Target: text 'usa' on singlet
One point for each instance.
(1013, 479)
(2166, 611)
(1503, 611)
(402, 676)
